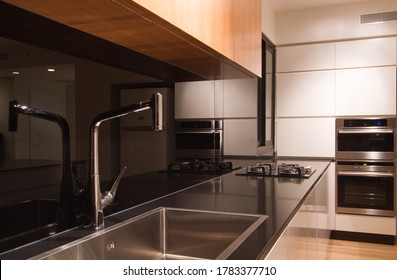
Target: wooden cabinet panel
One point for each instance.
(232, 28)
(248, 48)
(212, 22)
(203, 43)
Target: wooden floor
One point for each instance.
(351, 250)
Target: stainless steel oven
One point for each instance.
(366, 166)
(365, 138)
(199, 139)
(366, 187)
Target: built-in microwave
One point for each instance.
(199, 139)
(365, 138)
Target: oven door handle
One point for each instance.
(365, 173)
(199, 131)
(358, 131)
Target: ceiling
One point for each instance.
(288, 5)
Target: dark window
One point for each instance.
(266, 94)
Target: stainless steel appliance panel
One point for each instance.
(365, 138)
(366, 188)
(199, 139)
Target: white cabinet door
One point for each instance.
(366, 53)
(195, 100)
(366, 224)
(306, 137)
(241, 98)
(366, 91)
(240, 137)
(306, 57)
(306, 94)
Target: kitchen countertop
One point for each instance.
(277, 197)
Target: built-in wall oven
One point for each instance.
(366, 187)
(365, 166)
(199, 139)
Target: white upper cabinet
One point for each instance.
(366, 53)
(306, 57)
(366, 91)
(240, 98)
(306, 94)
(195, 100)
(217, 99)
(306, 137)
(240, 137)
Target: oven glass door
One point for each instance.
(198, 141)
(356, 141)
(365, 193)
(199, 144)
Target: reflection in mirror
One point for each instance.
(30, 158)
(50, 88)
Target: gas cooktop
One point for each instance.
(196, 167)
(272, 169)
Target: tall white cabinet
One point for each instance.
(318, 82)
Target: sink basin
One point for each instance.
(164, 233)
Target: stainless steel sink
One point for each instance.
(164, 233)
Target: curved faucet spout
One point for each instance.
(98, 200)
(66, 216)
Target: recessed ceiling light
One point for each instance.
(16, 72)
(51, 70)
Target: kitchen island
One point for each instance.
(279, 198)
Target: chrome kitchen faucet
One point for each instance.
(98, 200)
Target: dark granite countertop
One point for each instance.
(277, 197)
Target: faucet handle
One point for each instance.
(78, 185)
(108, 196)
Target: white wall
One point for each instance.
(333, 23)
(268, 20)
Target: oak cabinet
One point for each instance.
(232, 28)
(211, 39)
